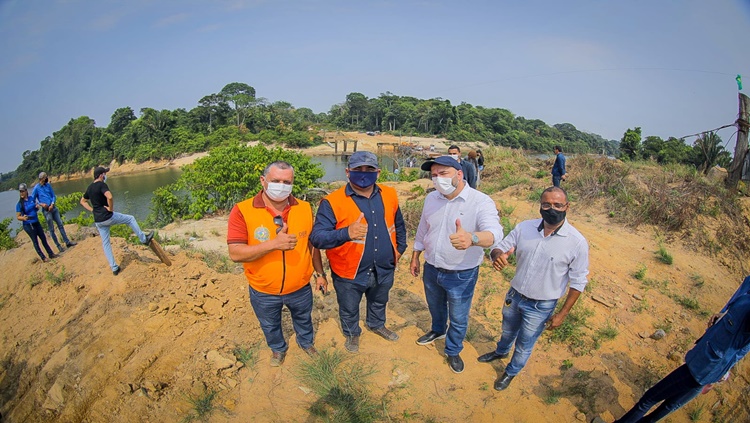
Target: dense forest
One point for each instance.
(236, 114)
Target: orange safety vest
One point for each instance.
(344, 259)
(278, 272)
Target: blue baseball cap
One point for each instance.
(363, 158)
(442, 160)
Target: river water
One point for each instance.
(132, 193)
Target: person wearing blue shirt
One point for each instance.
(724, 343)
(26, 213)
(558, 169)
(45, 196)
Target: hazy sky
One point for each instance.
(604, 66)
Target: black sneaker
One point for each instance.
(60, 248)
(71, 244)
(491, 356)
(455, 363)
(116, 271)
(53, 256)
(429, 338)
(386, 333)
(149, 237)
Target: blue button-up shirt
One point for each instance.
(378, 256)
(558, 169)
(724, 343)
(546, 264)
(44, 194)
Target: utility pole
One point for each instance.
(740, 150)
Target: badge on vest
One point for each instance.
(262, 233)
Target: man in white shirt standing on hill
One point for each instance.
(551, 254)
(457, 223)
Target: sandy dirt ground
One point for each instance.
(137, 346)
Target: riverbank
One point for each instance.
(364, 143)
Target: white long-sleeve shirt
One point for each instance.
(545, 265)
(477, 213)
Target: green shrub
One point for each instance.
(228, 175)
(6, 240)
(663, 255)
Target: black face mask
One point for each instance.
(552, 216)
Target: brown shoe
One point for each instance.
(311, 351)
(277, 358)
(386, 333)
(352, 344)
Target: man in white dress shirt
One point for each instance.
(457, 223)
(551, 254)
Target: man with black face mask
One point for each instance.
(551, 255)
(363, 232)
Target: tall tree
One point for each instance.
(241, 96)
(630, 144)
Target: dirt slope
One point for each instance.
(135, 347)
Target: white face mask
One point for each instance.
(105, 177)
(277, 191)
(444, 185)
(455, 156)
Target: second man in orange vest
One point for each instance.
(363, 232)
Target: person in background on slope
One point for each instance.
(724, 343)
(558, 169)
(103, 206)
(45, 196)
(26, 213)
(468, 170)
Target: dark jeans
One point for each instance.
(449, 297)
(268, 307)
(35, 231)
(556, 180)
(53, 217)
(349, 295)
(676, 389)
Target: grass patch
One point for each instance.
(698, 280)
(201, 406)
(689, 303)
(536, 195)
(411, 210)
(664, 256)
(608, 332)
(572, 330)
(566, 364)
(417, 189)
(541, 174)
(552, 397)
(695, 410)
(247, 356)
(35, 280)
(640, 306)
(471, 333)
(341, 386)
(57, 278)
(640, 274)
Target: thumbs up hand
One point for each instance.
(358, 229)
(285, 241)
(460, 240)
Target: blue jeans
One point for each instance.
(523, 322)
(556, 180)
(117, 219)
(268, 307)
(676, 389)
(449, 298)
(53, 217)
(34, 230)
(349, 295)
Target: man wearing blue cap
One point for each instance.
(45, 196)
(363, 232)
(457, 223)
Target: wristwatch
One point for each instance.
(317, 275)
(474, 239)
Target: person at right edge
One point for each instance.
(551, 254)
(725, 342)
(558, 169)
